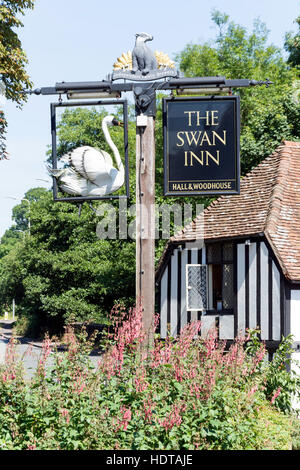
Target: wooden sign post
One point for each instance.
(145, 220)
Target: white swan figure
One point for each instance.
(91, 171)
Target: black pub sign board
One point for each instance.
(201, 145)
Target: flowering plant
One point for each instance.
(192, 392)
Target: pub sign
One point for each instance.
(201, 146)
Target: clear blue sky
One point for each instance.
(75, 40)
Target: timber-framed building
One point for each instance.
(246, 274)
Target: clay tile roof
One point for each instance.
(268, 203)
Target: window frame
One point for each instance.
(198, 309)
(222, 262)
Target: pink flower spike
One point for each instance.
(275, 395)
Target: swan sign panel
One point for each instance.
(201, 146)
(87, 172)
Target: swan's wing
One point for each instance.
(91, 163)
(97, 165)
(76, 158)
(90, 172)
(70, 181)
(108, 160)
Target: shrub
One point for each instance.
(296, 433)
(27, 326)
(188, 393)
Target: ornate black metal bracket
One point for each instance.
(145, 99)
(144, 92)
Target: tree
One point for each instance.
(268, 115)
(21, 217)
(21, 212)
(292, 45)
(62, 271)
(12, 59)
(9, 240)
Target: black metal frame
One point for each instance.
(82, 199)
(236, 101)
(144, 92)
(171, 84)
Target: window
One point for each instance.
(196, 295)
(221, 276)
(211, 286)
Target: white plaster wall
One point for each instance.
(295, 314)
(295, 331)
(264, 301)
(241, 286)
(164, 304)
(174, 288)
(252, 286)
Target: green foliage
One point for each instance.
(292, 45)
(281, 377)
(9, 240)
(296, 434)
(186, 394)
(12, 58)
(62, 270)
(21, 212)
(27, 326)
(273, 429)
(282, 384)
(268, 115)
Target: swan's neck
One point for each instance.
(112, 145)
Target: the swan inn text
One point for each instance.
(198, 138)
